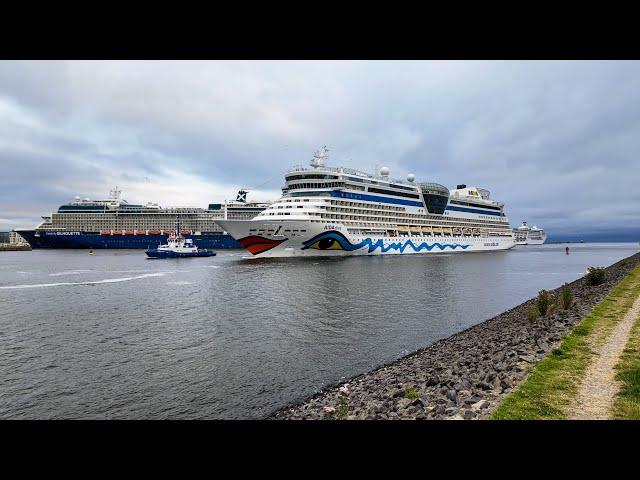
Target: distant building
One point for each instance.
(12, 238)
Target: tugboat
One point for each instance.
(177, 247)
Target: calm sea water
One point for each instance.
(115, 335)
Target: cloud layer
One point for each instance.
(556, 141)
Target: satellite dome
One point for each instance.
(411, 177)
(77, 198)
(384, 171)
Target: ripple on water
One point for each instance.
(246, 336)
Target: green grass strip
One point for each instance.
(627, 402)
(552, 384)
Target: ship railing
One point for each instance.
(345, 170)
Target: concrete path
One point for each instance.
(599, 386)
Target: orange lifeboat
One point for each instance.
(154, 232)
(185, 232)
(127, 232)
(105, 232)
(169, 232)
(140, 232)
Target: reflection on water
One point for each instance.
(115, 335)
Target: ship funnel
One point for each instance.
(242, 195)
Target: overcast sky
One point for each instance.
(556, 141)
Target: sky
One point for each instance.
(556, 141)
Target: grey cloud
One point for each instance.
(554, 140)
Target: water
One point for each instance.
(115, 335)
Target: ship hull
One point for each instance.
(536, 241)
(530, 241)
(155, 253)
(301, 238)
(84, 240)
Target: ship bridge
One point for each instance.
(435, 196)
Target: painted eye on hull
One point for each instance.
(328, 241)
(326, 244)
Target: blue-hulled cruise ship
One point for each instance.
(115, 223)
(330, 211)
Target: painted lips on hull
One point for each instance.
(256, 244)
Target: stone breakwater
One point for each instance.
(463, 376)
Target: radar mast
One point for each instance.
(319, 157)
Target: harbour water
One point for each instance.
(115, 335)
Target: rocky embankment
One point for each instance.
(463, 376)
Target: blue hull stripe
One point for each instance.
(474, 210)
(95, 241)
(375, 198)
(411, 203)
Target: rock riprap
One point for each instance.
(463, 376)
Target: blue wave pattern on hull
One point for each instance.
(96, 241)
(337, 241)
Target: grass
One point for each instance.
(552, 385)
(627, 402)
(412, 394)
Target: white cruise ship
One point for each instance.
(340, 211)
(525, 235)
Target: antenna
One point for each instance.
(114, 194)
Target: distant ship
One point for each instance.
(525, 235)
(115, 223)
(332, 211)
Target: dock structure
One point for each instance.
(13, 241)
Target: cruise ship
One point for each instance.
(525, 235)
(115, 223)
(341, 211)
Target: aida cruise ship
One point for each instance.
(340, 211)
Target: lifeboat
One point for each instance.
(457, 230)
(169, 232)
(476, 231)
(466, 231)
(185, 232)
(128, 232)
(105, 232)
(154, 232)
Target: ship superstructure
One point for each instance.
(525, 235)
(115, 223)
(341, 211)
